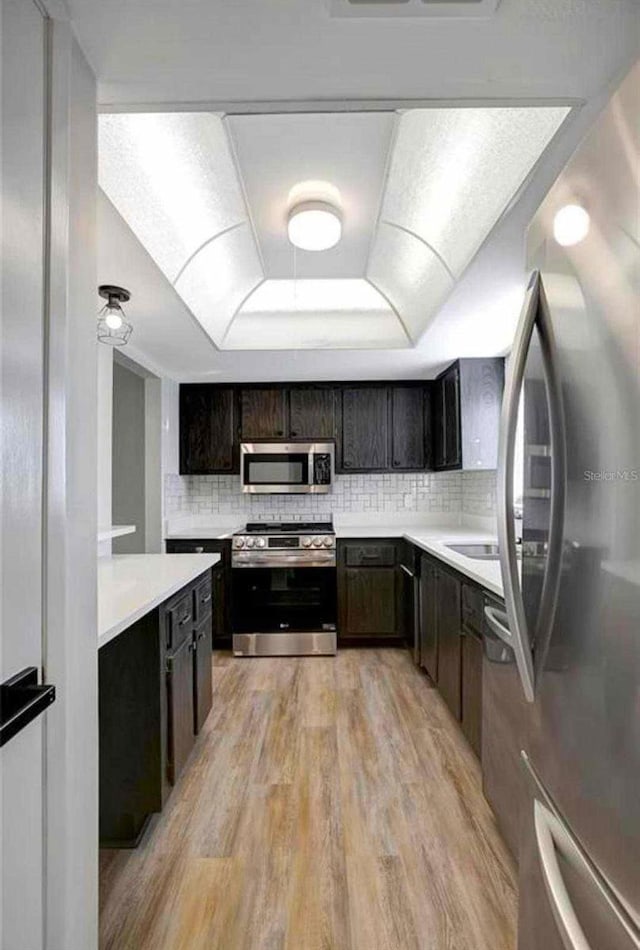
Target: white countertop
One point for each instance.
(115, 531)
(130, 585)
(433, 539)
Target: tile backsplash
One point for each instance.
(451, 492)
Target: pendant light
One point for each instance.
(113, 328)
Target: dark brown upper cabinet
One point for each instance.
(312, 413)
(263, 414)
(207, 430)
(467, 398)
(365, 429)
(410, 428)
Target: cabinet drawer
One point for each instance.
(179, 620)
(472, 607)
(203, 600)
(370, 555)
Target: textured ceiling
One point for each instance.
(419, 193)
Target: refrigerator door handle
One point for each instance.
(518, 636)
(552, 838)
(557, 452)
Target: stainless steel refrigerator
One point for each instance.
(573, 611)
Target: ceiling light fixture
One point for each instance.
(113, 329)
(571, 225)
(314, 226)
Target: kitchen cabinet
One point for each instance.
(467, 398)
(207, 430)
(202, 679)
(409, 594)
(472, 624)
(221, 579)
(429, 617)
(367, 590)
(472, 690)
(377, 427)
(410, 428)
(263, 413)
(447, 442)
(312, 413)
(180, 704)
(449, 640)
(365, 429)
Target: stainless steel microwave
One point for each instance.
(287, 468)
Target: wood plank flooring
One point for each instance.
(330, 804)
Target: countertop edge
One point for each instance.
(208, 561)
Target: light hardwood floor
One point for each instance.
(329, 803)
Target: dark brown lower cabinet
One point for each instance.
(449, 641)
(202, 681)
(369, 602)
(472, 689)
(180, 699)
(429, 617)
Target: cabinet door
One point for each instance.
(220, 628)
(264, 414)
(472, 691)
(449, 636)
(368, 602)
(365, 429)
(438, 424)
(179, 709)
(207, 430)
(313, 414)
(428, 618)
(202, 681)
(453, 444)
(407, 427)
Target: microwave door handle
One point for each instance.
(518, 636)
(553, 560)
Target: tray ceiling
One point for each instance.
(207, 196)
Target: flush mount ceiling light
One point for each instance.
(314, 226)
(571, 225)
(113, 329)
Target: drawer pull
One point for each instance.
(205, 600)
(184, 620)
(199, 549)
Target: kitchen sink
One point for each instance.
(480, 552)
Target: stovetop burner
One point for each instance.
(288, 527)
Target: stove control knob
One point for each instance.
(306, 542)
(250, 542)
(328, 542)
(261, 542)
(239, 543)
(317, 542)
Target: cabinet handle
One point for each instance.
(205, 600)
(293, 432)
(199, 549)
(184, 620)
(279, 432)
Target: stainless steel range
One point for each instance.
(284, 599)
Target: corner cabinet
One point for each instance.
(207, 430)
(467, 398)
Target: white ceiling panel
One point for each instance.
(172, 177)
(219, 278)
(346, 150)
(454, 171)
(316, 314)
(410, 276)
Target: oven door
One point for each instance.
(283, 600)
(275, 472)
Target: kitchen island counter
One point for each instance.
(131, 585)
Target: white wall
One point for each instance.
(104, 433)
(128, 500)
(71, 611)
